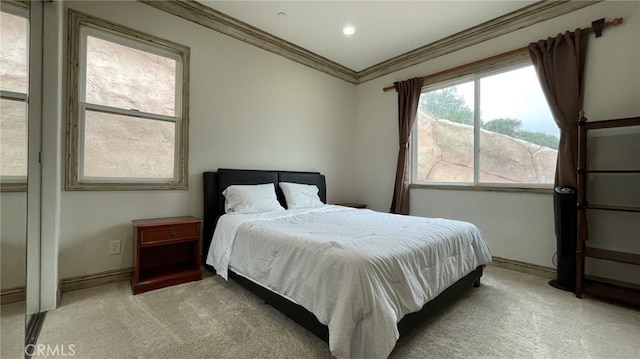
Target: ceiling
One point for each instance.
(384, 29)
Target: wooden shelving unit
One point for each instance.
(601, 289)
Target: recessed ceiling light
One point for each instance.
(349, 30)
(282, 14)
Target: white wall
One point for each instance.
(253, 109)
(518, 226)
(248, 109)
(13, 232)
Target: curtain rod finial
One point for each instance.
(597, 27)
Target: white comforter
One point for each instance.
(358, 271)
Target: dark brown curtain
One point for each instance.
(559, 63)
(408, 98)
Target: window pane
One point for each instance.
(445, 135)
(118, 146)
(14, 32)
(519, 138)
(123, 77)
(13, 138)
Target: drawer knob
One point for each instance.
(171, 234)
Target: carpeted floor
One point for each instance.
(12, 324)
(512, 315)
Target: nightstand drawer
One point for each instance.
(169, 234)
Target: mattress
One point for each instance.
(358, 271)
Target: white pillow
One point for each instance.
(300, 195)
(251, 199)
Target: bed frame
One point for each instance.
(216, 182)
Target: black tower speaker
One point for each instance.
(566, 213)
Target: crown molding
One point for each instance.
(538, 12)
(25, 4)
(215, 20)
(515, 20)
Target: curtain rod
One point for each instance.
(596, 27)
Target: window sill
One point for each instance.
(109, 186)
(13, 187)
(482, 188)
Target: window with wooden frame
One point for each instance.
(128, 108)
(14, 96)
(488, 126)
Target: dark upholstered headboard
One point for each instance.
(216, 182)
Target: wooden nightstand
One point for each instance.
(166, 252)
(353, 205)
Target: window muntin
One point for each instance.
(490, 129)
(14, 80)
(128, 120)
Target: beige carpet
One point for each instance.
(512, 315)
(12, 325)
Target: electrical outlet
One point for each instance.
(114, 247)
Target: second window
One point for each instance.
(489, 129)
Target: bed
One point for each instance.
(339, 272)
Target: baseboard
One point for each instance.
(118, 275)
(94, 280)
(12, 295)
(17, 294)
(550, 273)
(541, 271)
